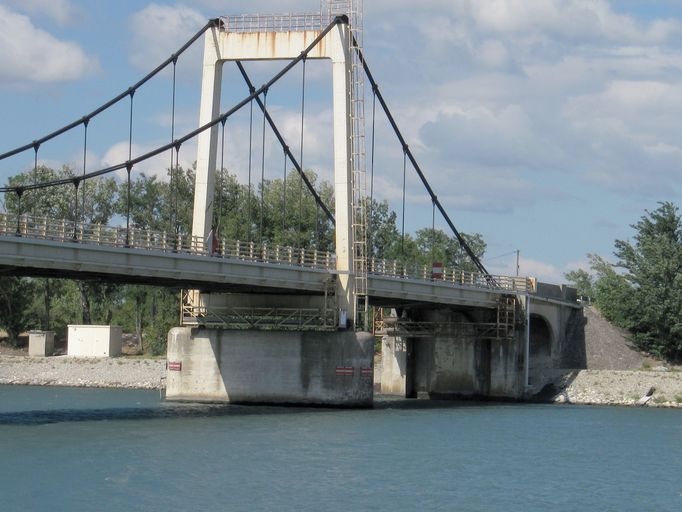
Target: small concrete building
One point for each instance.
(40, 343)
(94, 341)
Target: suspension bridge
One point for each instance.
(276, 323)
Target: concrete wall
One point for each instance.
(241, 366)
(94, 341)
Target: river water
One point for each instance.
(94, 449)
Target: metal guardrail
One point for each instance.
(68, 231)
(393, 268)
(136, 238)
(274, 22)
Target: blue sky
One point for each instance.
(548, 126)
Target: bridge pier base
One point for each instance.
(273, 367)
(455, 364)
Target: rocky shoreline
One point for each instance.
(615, 387)
(118, 372)
(584, 387)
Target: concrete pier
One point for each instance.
(463, 359)
(274, 367)
(456, 364)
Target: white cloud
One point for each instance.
(545, 272)
(317, 143)
(581, 21)
(480, 135)
(222, 8)
(154, 166)
(159, 30)
(31, 55)
(531, 267)
(503, 86)
(63, 12)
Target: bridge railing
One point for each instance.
(394, 268)
(137, 238)
(273, 22)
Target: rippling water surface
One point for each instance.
(90, 449)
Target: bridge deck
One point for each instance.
(42, 247)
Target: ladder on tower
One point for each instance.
(353, 9)
(506, 317)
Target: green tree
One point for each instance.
(582, 280)
(93, 202)
(436, 245)
(53, 202)
(16, 295)
(158, 205)
(164, 313)
(612, 292)
(65, 305)
(383, 237)
(653, 267)
(45, 289)
(645, 297)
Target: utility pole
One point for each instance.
(517, 262)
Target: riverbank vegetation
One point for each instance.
(642, 290)
(280, 212)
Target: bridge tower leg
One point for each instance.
(222, 45)
(207, 141)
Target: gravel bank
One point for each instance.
(609, 347)
(116, 372)
(613, 387)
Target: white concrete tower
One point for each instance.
(258, 37)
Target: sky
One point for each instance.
(547, 126)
